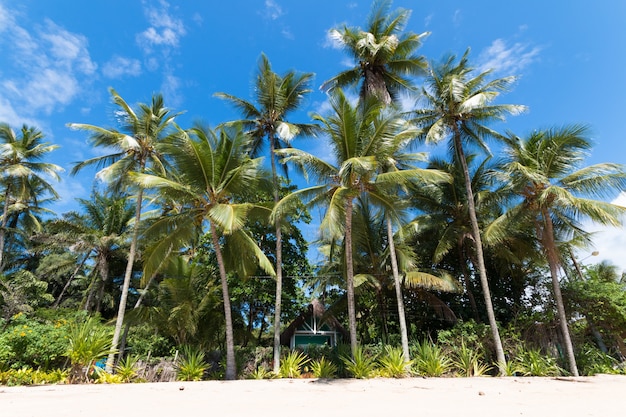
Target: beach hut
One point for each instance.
(314, 326)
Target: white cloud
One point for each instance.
(170, 89)
(272, 10)
(505, 59)
(610, 242)
(46, 66)
(165, 30)
(120, 66)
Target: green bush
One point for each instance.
(88, 342)
(191, 365)
(592, 361)
(34, 343)
(430, 359)
(469, 362)
(392, 363)
(532, 362)
(28, 376)
(360, 365)
(144, 340)
(292, 364)
(323, 368)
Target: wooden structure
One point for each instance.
(314, 326)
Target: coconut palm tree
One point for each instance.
(23, 175)
(556, 194)
(362, 138)
(135, 148)
(98, 237)
(210, 171)
(458, 104)
(385, 56)
(276, 97)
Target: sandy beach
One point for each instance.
(600, 395)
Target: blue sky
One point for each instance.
(59, 57)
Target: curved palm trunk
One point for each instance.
(231, 370)
(547, 239)
(396, 280)
(479, 253)
(5, 220)
(350, 278)
(126, 285)
(468, 282)
(69, 281)
(279, 264)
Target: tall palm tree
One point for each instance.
(384, 55)
(362, 138)
(98, 236)
(276, 96)
(23, 175)
(135, 148)
(556, 194)
(457, 105)
(210, 171)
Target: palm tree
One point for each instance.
(276, 96)
(458, 104)
(362, 138)
(98, 237)
(210, 171)
(23, 175)
(385, 57)
(136, 148)
(543, 170)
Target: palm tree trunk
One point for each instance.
(350, 279)
(126, 285)
(279, 263)
(69, 281)
(231, 370)
(400, 300)
(5, 213)
(479, 253)
(468, 282)
(547, 237)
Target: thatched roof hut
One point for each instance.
(314, 326)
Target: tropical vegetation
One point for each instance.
(190, 259)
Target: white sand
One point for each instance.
(601, 395)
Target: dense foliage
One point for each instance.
(199, 250)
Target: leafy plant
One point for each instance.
(28, 376)
(261, 373)
(292, 364)
(392, 363)
(468, 362)
(430, 359)
(88, 342)
(360, 365)
(126, 369)
(532, 362)
(192, 365)
(323, 368)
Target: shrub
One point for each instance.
(359, 365)
(323, 368)
(531, 362)
(191, 365)
(392, 363)
(468, 362)
(430, 359)
(89, 342)
(30, 342)
(292, 364)
(28, 376)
